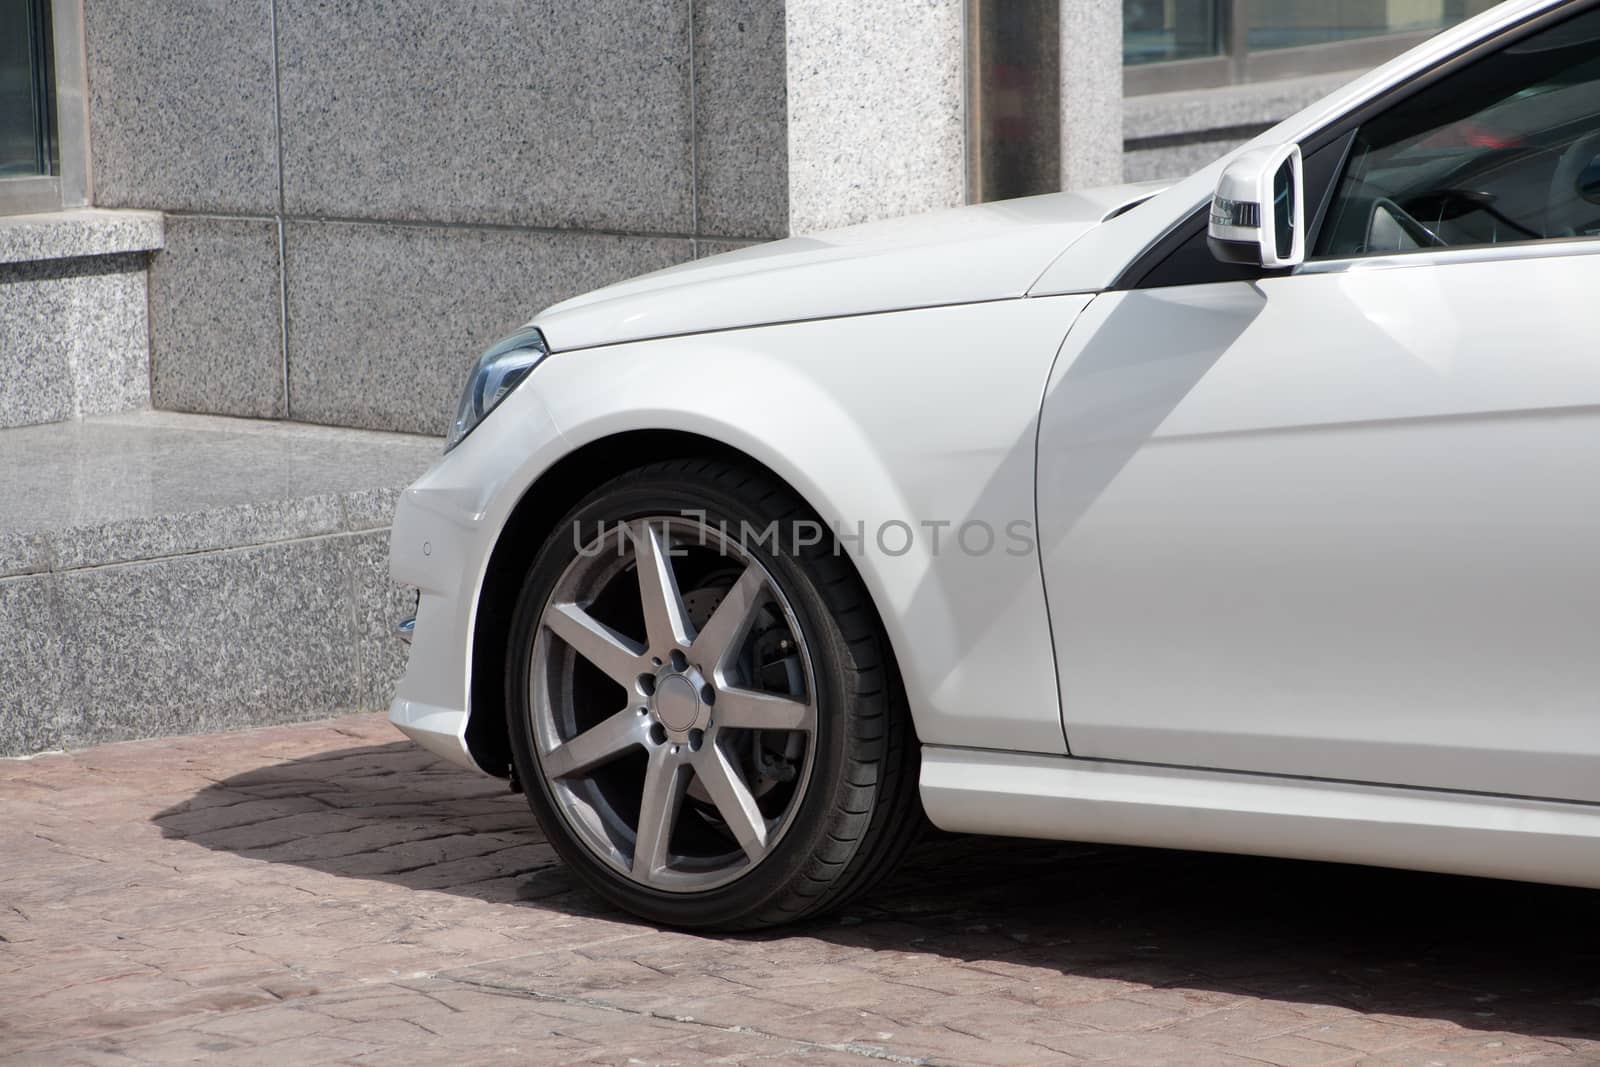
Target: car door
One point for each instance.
(1345, 522)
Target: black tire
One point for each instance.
(859, 811)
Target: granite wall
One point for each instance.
(361, 196)
(74, 337)
(875, 110)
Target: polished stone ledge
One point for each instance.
(164, 573)
(150, 485)
(200, 642)
(75, 234)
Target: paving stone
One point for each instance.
(1295, 1051)
(328, 893)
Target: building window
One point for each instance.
(1173, 45)
(27, 98)
(43, 164)
(1161, 31)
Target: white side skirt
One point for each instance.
(1021, 795)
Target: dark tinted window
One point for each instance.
(1157, 31)
(25, 89)
(1507, 149)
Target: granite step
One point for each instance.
(166, 574)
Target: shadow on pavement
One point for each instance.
(1486, 955)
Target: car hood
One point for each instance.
(959, 256)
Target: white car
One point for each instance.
(1260, 513)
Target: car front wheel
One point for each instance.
(704, 710)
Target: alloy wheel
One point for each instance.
(673, 704)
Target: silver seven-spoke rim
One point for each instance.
(673, 705)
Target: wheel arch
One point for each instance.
(530, 522)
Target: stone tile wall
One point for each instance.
(74, 338)
(362, 196)
(876, 125)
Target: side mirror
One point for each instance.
(1258, 213)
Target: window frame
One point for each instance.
(68, 187)
(1238, 64)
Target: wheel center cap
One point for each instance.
(676, 704)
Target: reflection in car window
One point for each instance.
(1507, 149)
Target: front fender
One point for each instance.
(920, 421)
(902, 429)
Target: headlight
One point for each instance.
(498, 371)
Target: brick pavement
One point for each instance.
(327, 893)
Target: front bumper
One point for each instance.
(445, 528)
(441, 731)
(431, 701)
